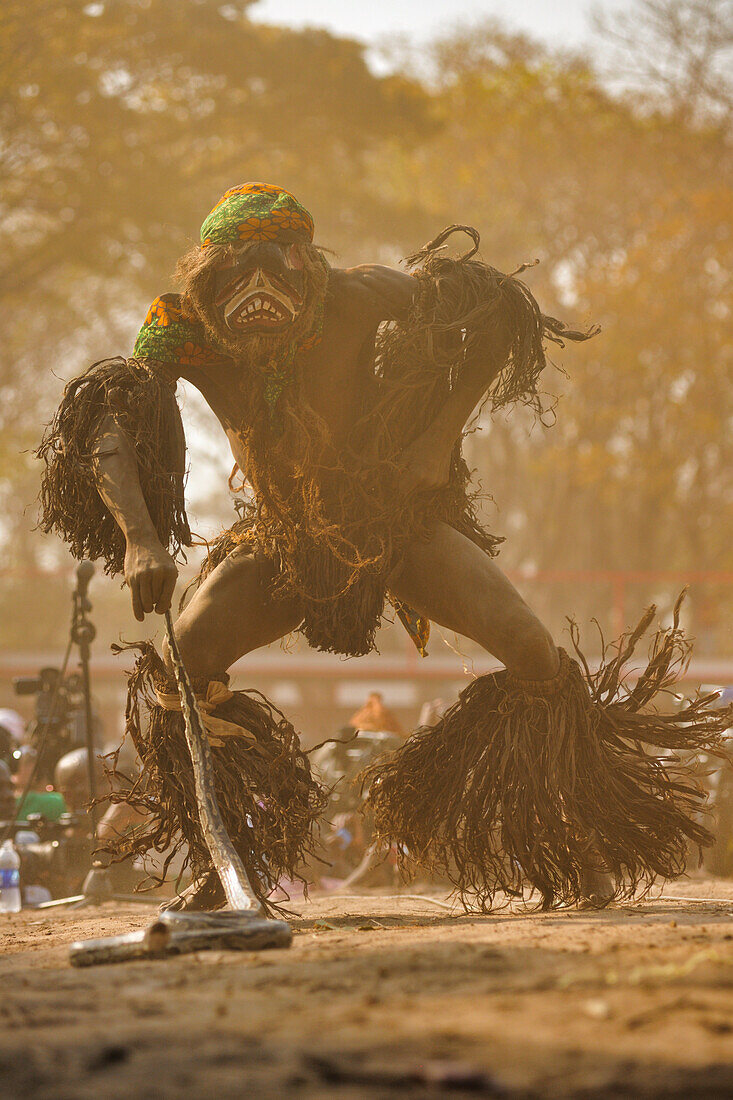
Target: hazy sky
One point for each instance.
(552, 20)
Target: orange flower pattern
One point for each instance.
(256, 212)
(172, 335)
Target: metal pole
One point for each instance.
(83, 634)
(89, 732)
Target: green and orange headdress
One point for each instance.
(256, 212)
(250, 212)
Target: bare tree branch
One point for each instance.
(676, 53)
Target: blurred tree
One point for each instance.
(630, 211)
(122, 121)
(643, 442)
(677, 55)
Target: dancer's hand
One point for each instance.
(151, 575)
(425, 464)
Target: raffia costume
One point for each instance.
(520, 782)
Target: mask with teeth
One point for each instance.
(257, 283)
(260, 288)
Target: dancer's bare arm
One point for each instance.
(384, 294)
(426, 462)
(374, 293)
(150, 571)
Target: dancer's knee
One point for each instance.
(200, 660)
(532, 654)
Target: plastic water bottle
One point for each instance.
(9, 879)
(31, 894)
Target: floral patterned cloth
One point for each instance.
(256, 212)
(170, 335)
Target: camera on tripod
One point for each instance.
(55, 854)
(58, 725)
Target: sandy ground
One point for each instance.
(382, 996)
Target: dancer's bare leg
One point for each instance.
(449, 580)
(597, 888)
(230, 615)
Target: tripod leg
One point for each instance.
(89, 733)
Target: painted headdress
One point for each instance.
(250, 212)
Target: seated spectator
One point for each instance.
(71, 778)
(374, 717)
(39, 799)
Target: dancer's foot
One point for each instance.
(206, 895)
(598, 889)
